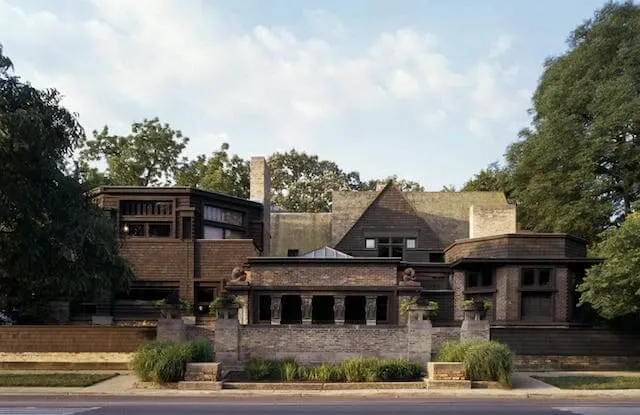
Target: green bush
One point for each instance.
(200, 350)
(489, 360)
(145, 359)
(171, 364)
(398, 370)
(289, 370)
(261, 369)
(361, 369)
(455, 351)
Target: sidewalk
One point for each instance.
(524, 387)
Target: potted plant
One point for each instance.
(226, 301)
(186, 309)
(406, 304)
(469, 309)
(432, 309)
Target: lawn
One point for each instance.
(592, 382)
(53, 379)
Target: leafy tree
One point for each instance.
(402, 184)
(577, 169)
(219, 173)
(53, 241)
(492, 179)
(146, 157)
(448, 188)
(303, 183)
(613, 287)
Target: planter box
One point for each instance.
(446, 371)
(202, 372)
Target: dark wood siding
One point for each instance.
(568, 341)
(390, 215)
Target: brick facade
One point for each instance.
(73, 339)
(323, 274)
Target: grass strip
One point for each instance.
(592, 382)
(53, 379)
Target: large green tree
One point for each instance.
(494, 178)
(402, 184)
(577, 168)
(613, 287)
(303, 183)
(53, 241)
(149, 156)
(219, 173)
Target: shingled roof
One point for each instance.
(446, 213)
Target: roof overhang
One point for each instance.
(524, 261)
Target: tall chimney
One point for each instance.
(260, 191)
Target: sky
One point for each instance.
(429, 90)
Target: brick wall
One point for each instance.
(322, 344)
(491, 220)
(73, 339)
(562, 296)
(159, 259)
(306, 274)
(217, 258)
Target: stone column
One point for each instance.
(418, 335)
(307, 308)
(276, 309)
(370, 310)
(475, 330)
(458, 295)
(227, 338)
(338, 309)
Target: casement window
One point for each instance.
(146, 229)
(221, 215)
(146, 208)
(479, 280)
(216, 232)
(536, 294)
(390, 246)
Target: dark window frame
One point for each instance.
(480, 276)
(535, 285)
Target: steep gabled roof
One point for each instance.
(392, 210)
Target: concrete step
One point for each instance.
(448, 384)
(200, 386)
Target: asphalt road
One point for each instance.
(201, 406)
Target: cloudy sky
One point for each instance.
(430, 90)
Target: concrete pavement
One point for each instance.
(524, 386)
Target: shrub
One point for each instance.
(289, 370)
(454, 351)
(360, 369)
(489, 360)
(145, 359)
(399, 369)
(171, 364)
(200, 350)
(259, 369)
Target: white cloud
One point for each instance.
(164, 57)
(501, 46)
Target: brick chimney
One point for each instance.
(260, 191)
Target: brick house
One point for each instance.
(354, 264)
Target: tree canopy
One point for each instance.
(220, 173)
(613, 287)
(54, 243)
(149, 156)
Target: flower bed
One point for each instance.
(361, 369)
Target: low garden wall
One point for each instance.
(73, 338)
(322, 343)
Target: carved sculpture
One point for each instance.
(238, 274)
(275, 308)
(338, 308)
(306, 308)
(409, 274)
(371, 308)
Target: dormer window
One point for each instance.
(370, 243)
(411, 243)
